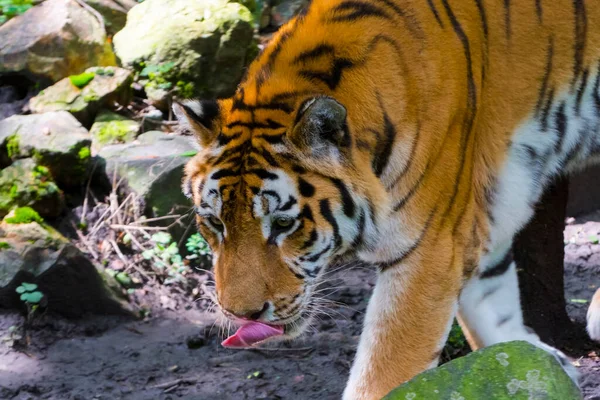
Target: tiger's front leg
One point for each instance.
(406, 326)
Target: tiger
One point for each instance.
(415, 136)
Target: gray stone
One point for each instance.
(113, 12)
(515, 370)
(153, 169)
(83, 95)
(55, 140)
(24, 183)
(286, 10)
(71, 284)
(197, 48)
(54, 39)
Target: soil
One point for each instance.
(175, 352)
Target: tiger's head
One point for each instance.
(279, 195)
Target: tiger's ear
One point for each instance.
(320, 127)
(199, 117)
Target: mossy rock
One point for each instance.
(55, 140)
(84, 94)
(512, 371)
(24, 183)
(112, 128)
(195, 48)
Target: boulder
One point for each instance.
(26, 184)
(113, 12)
(55, 140)
(286, 10)
(515, 370)
(112, 128)
(34, 252)
(198, 48)
(83, 95)
(152, 167)
(54, 39)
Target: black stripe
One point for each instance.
(223, 173)
(263, 174)
(504, 320)
(311, 240)
(560, 120)
(268, 157)
(411, 157)
(546, 110)
(271, 139)
(273, 194)
(306, 189)
(471, 102)
(596, 91)
(347, 202)
(331, 78)
(411, 22)
(357, 10)
(325, 209)
(498, 269)
(268, 124)
(387, 264)
(288, 204)
(384, 147)
(580, 37)
(315, 257)
(411, 192)
(435, 12)
(318, 51)
(581, 90)
(545, 79)
(507, 18)
(483, 17)
(359, 239)
(539, 10)
(307, 213)
(223, 139)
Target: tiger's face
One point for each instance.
(274, 200)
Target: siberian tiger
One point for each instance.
(414, 135)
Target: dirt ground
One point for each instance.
(175, 353)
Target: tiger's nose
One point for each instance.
(251, 315)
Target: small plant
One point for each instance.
(197, 247)
(31, 297)
(166, 258)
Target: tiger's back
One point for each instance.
(415, 135)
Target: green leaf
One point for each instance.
(190, 153)
(30, 287)
(148, 254)
(33, 297)
(579, 301)
(594, 239)
(20, 289)
(124, 279)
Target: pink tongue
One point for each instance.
(251, 333)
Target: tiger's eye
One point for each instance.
(216, 222)
(283, 222)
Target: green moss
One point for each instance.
(4, 246)
(84, 153)
(82, 80)
(24, 215)
(12, 146)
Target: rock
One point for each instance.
(26, 184)
(113, 12)
(286, 10)
(153, 168)
(54, 39)
(515, 370)
(198, 48)
(36, 253)
(112, 128)
(83, 95)
(55, 140)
